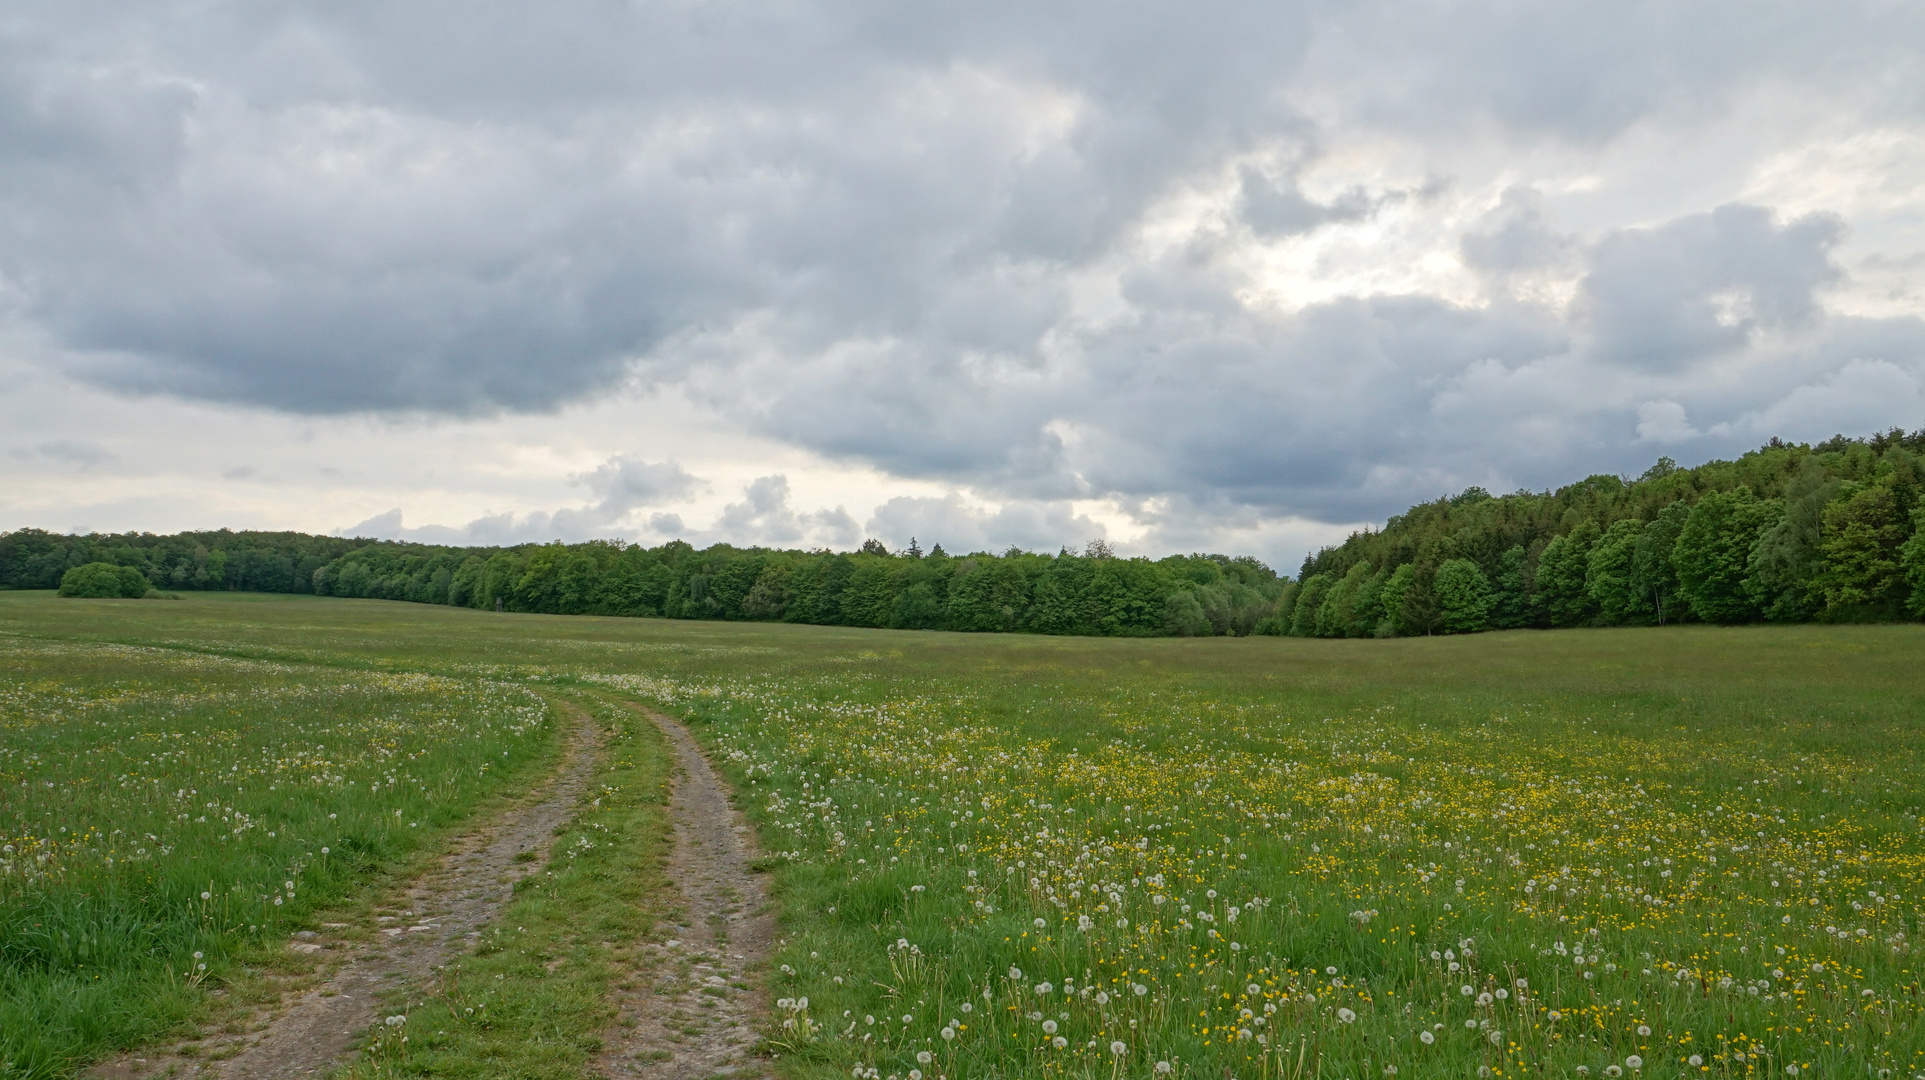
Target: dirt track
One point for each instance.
(688, 1013)
(696, 1018)
(438, 918)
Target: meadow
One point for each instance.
(1658, 852)
(167, 814)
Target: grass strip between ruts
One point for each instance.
(534, 999)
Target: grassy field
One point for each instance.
(1661, 852)
(163, 814)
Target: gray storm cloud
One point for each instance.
(936, 241)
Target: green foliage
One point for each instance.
(1464, 597)
(1090, 593)
(1419, 612)
(1350, 609)
(1561, 574)
(1183, 616)
(1611, 574)
(1863, 534)
(1391, 597)
(254, 561)
(1714, 549)
(100, 581)
(1606, 550)
(1657, 572)
(1366, 605)
(1912, 558)
(1016, 591)
(1310, 600)
(917, 608)
(988, 594)
(1126, 597)
(1513, 606)
(1276, 621)
(1787, 558)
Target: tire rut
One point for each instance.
(698, 1018)
(440, 917)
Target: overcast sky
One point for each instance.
(1222, 276)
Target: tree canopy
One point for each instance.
(1786, 533)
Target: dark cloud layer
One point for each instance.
(1704, 285)
(913, 238)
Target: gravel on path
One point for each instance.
(437, 918)
(697, 1017)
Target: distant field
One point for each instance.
(1690, 851)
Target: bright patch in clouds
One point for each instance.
(1231, 277)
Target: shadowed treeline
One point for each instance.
(1787, 533)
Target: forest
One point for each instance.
(1786, 533)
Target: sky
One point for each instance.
(1219, 276)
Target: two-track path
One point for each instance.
(438, 917)
(693, 1018)
(697, 1017)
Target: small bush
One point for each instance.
(101, 580)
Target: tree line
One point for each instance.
(1787, 533)
(1089, 592)
(282, 562)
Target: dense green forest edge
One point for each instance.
(1787, 533)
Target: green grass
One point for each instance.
(165, 816)
(928, 797)
(535, 997)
